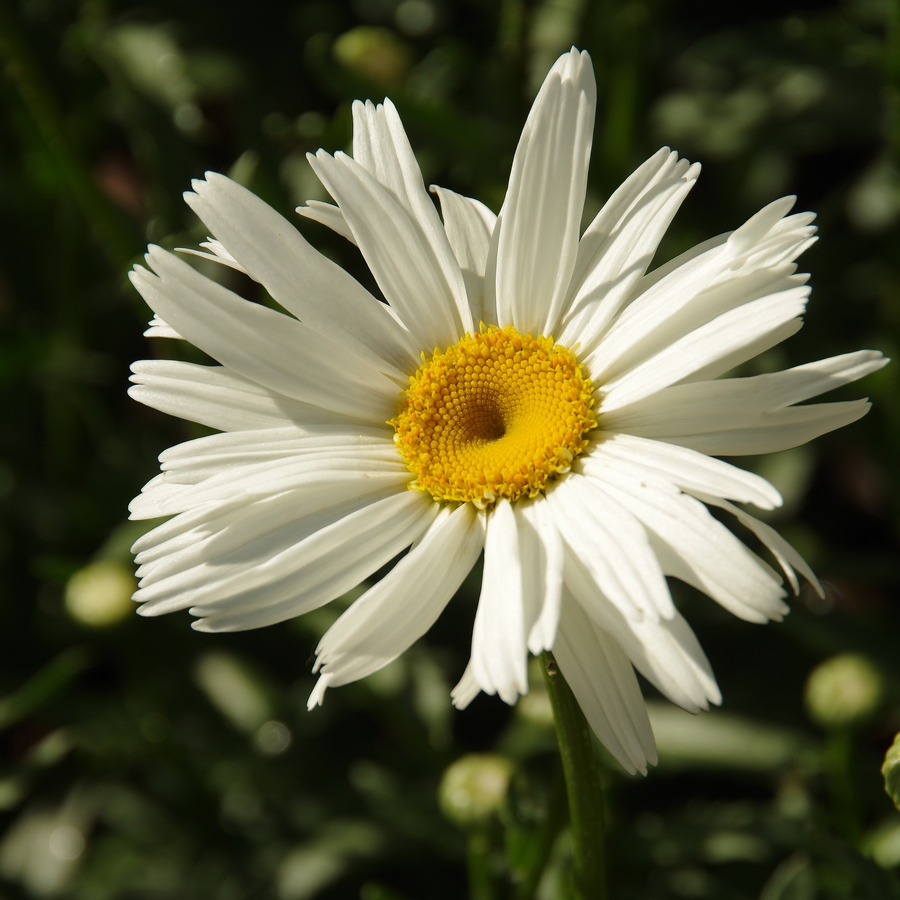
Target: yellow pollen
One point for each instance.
(497, 414)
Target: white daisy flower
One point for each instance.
(526, 391)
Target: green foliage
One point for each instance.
(143, 760)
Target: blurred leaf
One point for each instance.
(792, 880)
(43, 687)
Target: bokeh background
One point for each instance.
(139, 759)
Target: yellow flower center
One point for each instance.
(497, 414)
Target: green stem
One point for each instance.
(481, 884)
(583, 785)
(553, 822)
(839, 757)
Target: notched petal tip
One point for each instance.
(317, 696)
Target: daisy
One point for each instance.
(526, 391)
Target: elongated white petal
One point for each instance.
(329, 215)
(303, 576)
(613, 544)
(499, 653)
(788, 558)
(398, 610)
(399, 254)
(381, 146)
(214, 251)
(267, 347)
(156, 327)
(537, 230)
(230, 522)
(228, 541)
(541, 555)
(666, 653)
(605, 686)
(695, 547)
(469, 225)
(685, 468)
(737, 416)
(165, 498)
(194, 461)
(306, 283)
(752, 262)
(219, 398)
(466, 690)
(619, 244)
(726, 333)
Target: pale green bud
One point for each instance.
(842, 691)
(891, 771)
(474, 788)
(100, 593)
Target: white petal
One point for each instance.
(469, 225)
(427, 297)
(619, 244)
(218, 398)
(753, 262)
(327, 214)
(499, 653)
(737, 416)
(667, 653)
(381, 146)
(158, 328)
(230, 538)
(228, 523)
(613, 544)
(681, 466)
(788, 558)
(466, 690)
(193, 461)
(216, 253)
(401, 607)
(301, 577)
(541, 555)
(605, 686)
(161, 497)
(272, 349)
(306, 283)
(538, 227)
(728, 332)
(698, 549)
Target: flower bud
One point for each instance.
(842, 691)
(100, 593)
(891, 771)
(473, 788)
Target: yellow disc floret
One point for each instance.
(498, 414)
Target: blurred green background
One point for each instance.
(139, 759)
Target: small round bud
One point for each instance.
(474, 788)
(842, 691)
(891, 771)
(100, 593)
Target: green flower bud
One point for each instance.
(842, 691)
(100, 593)
(474, 788)
(891, 771)
(375, 53)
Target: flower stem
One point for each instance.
(481, 884)
(583, 785)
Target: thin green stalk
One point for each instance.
(583, 785)
(117, 236)
(554, 821)
(839, 759)
(481, 884)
